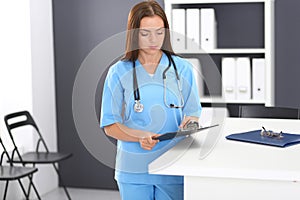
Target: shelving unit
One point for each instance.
(245, 28)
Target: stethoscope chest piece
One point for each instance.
(138, 107)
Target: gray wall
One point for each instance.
(287, 53)
(80, 25)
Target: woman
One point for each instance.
(138, 106)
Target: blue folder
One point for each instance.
(255, 137)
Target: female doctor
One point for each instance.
(149, 92)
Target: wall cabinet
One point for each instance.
(244, 28)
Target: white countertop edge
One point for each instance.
(277, 175)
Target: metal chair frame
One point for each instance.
(11, 173)
(37, 157)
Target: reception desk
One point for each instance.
(235, 170)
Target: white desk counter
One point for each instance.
(235, 170)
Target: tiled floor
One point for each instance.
(82, 194)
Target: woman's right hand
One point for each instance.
(148, 142)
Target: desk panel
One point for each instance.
(246, 166)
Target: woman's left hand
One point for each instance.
(186, 120)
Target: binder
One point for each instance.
(193, 29)
(258, 79)
(178, 29)
(208, 29)
(198, 75)
(243, 78)
(229, 78)
(254, 136)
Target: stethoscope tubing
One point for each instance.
(138, 107)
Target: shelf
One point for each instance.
(223, 51)
(210, 1)
(240, 33)
(222, 100)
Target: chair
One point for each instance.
(36, 157)
(11, 173)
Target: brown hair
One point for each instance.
(144, 9)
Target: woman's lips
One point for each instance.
(153, 47)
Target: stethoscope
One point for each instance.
(138, 106)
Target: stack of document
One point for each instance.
(240, 82)
(194, 29)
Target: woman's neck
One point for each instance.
(150, 61)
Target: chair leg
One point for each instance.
(5, 190)
(63, 185)
(31, 184)
(23, 189)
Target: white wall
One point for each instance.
(27, 77)
(43, 84)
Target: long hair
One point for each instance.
(137, 13)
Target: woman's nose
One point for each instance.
(152, 37)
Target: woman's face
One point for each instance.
(151, 34)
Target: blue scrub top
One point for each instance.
(117, 106)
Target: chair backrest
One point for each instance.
(28, 121)
(16, 120)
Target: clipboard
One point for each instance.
(254, 136)
(171, 135)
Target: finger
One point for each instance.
(154, 137)
(184, 122)
(148, 145)
(147, 148)
(150, 140)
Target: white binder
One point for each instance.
(178, 29)
(208, 28)
(198, 74)
(258, 79)
(193, 29)
(243, 78)
(229, 78)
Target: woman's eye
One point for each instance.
(144, 34)
(160, 33)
